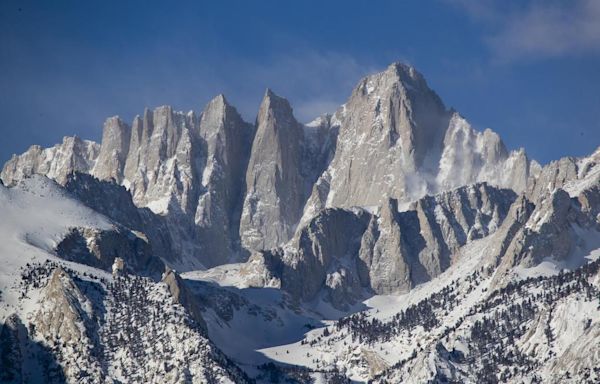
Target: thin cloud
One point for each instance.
(314, 82)
(538, 30)
(309, 110)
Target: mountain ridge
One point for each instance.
(386, 242)
(166, 159)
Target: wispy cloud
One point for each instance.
(537, 29)
(315, 82)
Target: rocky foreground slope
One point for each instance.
(387, 242)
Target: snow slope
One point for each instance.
(68, 322)
(36, 214)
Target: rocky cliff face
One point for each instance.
(115, 202)
(390, 129)
(182, 295)
(557, 228)
(276, 186)
(227, 139)
(470, 156)
(345, 253)
(569, 173)
(109, 332)
(162, 164)
(110, 163)
(187, 169)
(66, 317)
(341, 254)
(399, 250)
(412, 247)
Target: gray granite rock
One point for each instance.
(275, 187)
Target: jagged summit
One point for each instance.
(276, 104)
(275, 187)
(399, 77)
(116, 136)
(272, 101)
(407, 76)
(219, 102)
(220, 98)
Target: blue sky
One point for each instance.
(529, 70)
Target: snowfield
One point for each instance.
(36, 214)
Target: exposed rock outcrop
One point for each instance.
(557, 228)
(276, 188)
(403, 249)
(100, 248)
(341, 253)
(397, 140)
(65, 318)
(181, 294)
(113, 152)
(115, 202)
(470, 156)
(227, 139)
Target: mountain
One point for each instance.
(387, 242)
(393, 138)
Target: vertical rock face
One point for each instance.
(63, 323)
(227, 139)
(385, 254)
(571, 174)
(159, 161)
(555, 217)
(397, 140)
(552, 176)
(388, 193)
(554, 228)
(115, 202)
(391, 127)
(403, 249)
(141, 130)
(114, 150)
(276, 189)
(317, 253)
(162, 166)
